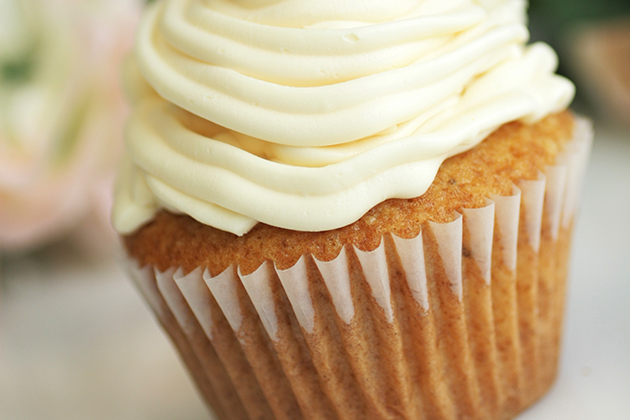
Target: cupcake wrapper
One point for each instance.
(462, 321)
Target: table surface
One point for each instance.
(77, 342)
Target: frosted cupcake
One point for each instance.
(352, 210)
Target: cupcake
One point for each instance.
(352, 210)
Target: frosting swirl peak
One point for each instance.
(304, 114)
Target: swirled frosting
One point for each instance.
(304, 114)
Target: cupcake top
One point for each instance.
(304, 114)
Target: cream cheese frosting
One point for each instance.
(304, 114)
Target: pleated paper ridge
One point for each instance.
(462, 321)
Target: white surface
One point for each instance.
(77, 342)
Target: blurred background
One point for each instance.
(76, 340)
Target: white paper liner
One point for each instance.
(144, 280)
(578, 152)
(223, 288)
(480, 224)
(552, 197)
(295, 283)
(533, 197)
(507, 215)
(337, 279)
(376, 274)
(197, 295)
(449, 239)
(411, 255)
(259, 291)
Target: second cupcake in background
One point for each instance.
(352, 210)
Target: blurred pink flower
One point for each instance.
(62, 112)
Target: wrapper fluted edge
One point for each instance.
(463, 321)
